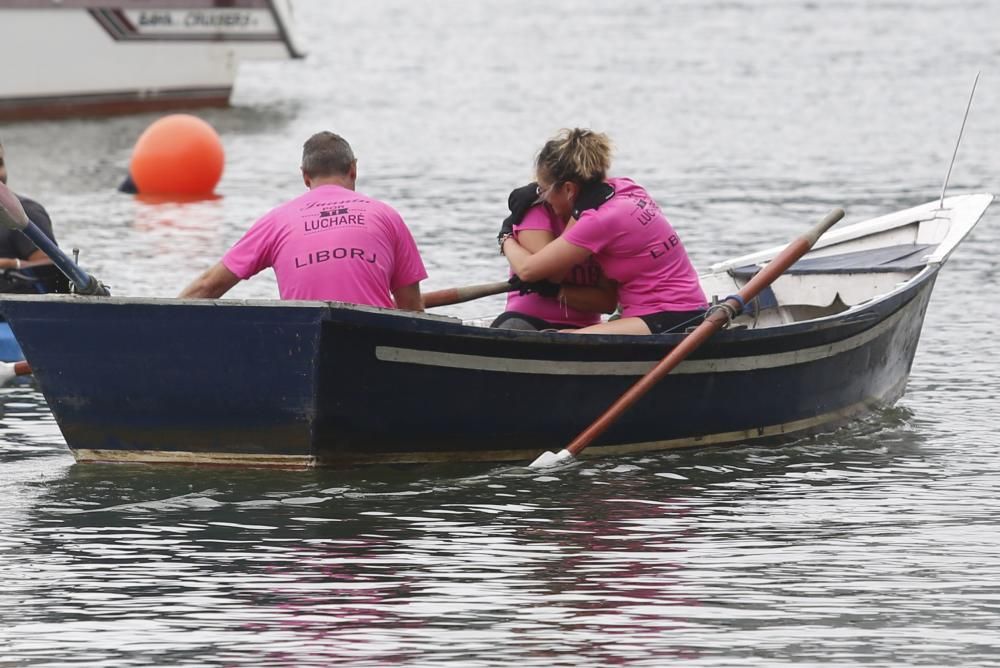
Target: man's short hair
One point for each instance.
(326, 154)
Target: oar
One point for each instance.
(12, 216)
(713, 322)
(467, 293)
(9, 370)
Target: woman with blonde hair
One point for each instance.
(617, 222)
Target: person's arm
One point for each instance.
(216, 281)
(534, 240)
(600, 298)
(408, 297)
(549, 263)
(35, 258)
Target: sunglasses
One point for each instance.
(542, 194)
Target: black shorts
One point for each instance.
(515, 320)
(672, 321)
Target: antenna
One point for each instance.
(960, 131)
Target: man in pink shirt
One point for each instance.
(330, 244)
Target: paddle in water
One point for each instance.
(11, 370)
(718, 316)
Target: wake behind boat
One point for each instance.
(299, 384)
(90, 57)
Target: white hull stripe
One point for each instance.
(560, 368)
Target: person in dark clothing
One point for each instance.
(16, 250)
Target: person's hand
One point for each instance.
(519, 201)
(543, 288)
(592, 196)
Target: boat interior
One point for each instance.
(821, 285)
(848, 267)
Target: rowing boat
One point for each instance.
(301, 384)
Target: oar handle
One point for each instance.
(467, 293)
(712, 323)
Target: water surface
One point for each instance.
(874, 545)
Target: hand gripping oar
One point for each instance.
(714, 321)
(12, 216)
(10, 370)
(467, 293)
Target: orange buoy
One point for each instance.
(178, 154)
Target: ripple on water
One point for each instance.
(875, 544)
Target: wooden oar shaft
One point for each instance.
(789, 256)
(715, 320)
(450, 296)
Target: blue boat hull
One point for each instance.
(40, 279)
(304, 384)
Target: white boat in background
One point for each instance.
(88, 57)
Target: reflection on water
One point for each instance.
(876, 544)
(755, 554)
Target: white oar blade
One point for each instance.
(550, 459)
(7, 372)
(12, 215)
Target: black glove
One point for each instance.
(543, 288)
(592, 196)
(520, 200)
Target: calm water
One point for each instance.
(875, 545)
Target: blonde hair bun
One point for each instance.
(575, 154)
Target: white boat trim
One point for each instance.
(961, 212)
(435, 358)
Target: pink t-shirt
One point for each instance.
(548, 308)
(636, 246)
(331, 244)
